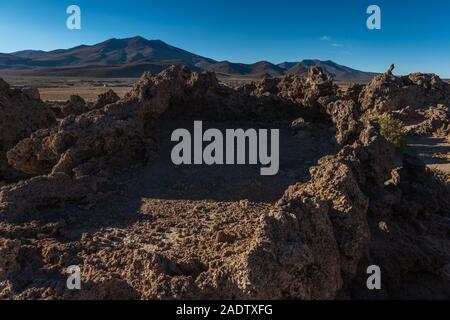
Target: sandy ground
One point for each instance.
(61, 88)
(434, 152)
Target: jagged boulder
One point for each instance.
(311, 244)
(409, 221)
(75, 106)
(413, 191)
(303, 91)
(434, 121)
(21, 113)
(431, 121)
(387, 92)
(352, 92)
(106, 98)
(114, 137)
(345, 116)
(286, 259)
(121, 134)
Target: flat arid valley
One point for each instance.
(133, 169)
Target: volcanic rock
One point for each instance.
(9, 251)
(106, 98)
(303, 91)
(316, 242)
(344, 114)
(121, 134)
(75, 106)
(289, 259)
(387, 93)
(21, 113)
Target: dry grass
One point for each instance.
(88, 93)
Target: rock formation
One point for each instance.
(318, 231)
(75, 106)
(106, 98)
(120, 134)
(21, 113)
(418, 90)
(369, 203)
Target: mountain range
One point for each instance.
(132, 56)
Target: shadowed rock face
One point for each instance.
(21, 113)
(9, 250)
(120, 134)
(75, 106)
(106, 98)
(289, 260)
(366, 204)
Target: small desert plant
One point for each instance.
(390, 128)
(393, 130)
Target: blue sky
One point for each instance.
(415, 34)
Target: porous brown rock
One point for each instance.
(121, 134)
(21, 113)
(106, 98)
(434, 121)
(345, 116)
(75, 106)
(303, 91)
(413, 249)
(38, 193)
(32, 93)
(367, 204)
(388, 93)
(311, 244)
(352, 92)
(413, 191)
(9, 251)
(426, 121)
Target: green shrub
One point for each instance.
(390, 128)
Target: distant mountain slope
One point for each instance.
(112, 52)
(335, 70)
(29, 54)
(132, 56)
(128, 70)
(265, 68)
(8, 61)
(257, 69)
